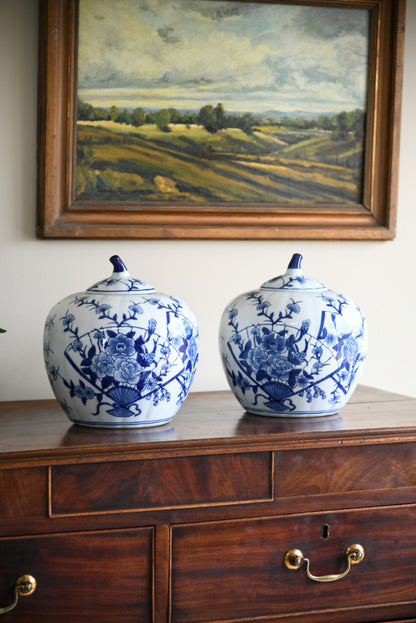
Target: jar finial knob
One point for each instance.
(118, 264)
(296, 261)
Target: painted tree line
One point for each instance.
(344, 125)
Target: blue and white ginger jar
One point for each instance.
(120, 354)
(293, 348)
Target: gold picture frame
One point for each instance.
(64, 214)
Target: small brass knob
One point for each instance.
(24, 586)
(293, 559)
(355, 553)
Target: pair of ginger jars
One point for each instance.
(122, 355)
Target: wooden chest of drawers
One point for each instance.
(193, 522)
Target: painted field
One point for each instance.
(187, 164)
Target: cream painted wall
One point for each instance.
(35, 274)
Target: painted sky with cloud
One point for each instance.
(249, 56)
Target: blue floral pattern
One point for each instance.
(290, 358)
(146, 354)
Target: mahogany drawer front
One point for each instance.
(345, 469)
(23, 493)
(94, 576)
(235, 571)
(161, 483)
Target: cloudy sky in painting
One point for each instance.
(249, 56)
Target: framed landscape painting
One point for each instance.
(219, 118)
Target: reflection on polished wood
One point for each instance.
(191, 521)
(370, 410)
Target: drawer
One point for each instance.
(235, 570)
(355, 472)
(94, 576)
(23, 493)
(161, 483)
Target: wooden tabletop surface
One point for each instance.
(206, 418)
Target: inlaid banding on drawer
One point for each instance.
(153, 484)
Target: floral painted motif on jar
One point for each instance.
(120, 354)
(293, 347)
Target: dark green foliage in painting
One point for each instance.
(170, 155)
(162, 120)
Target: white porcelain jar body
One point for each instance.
(293, 347)
(120, 354)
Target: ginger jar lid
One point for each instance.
(120, 281)
(293, 279)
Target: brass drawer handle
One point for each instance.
(294, 559)
(24, 586)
